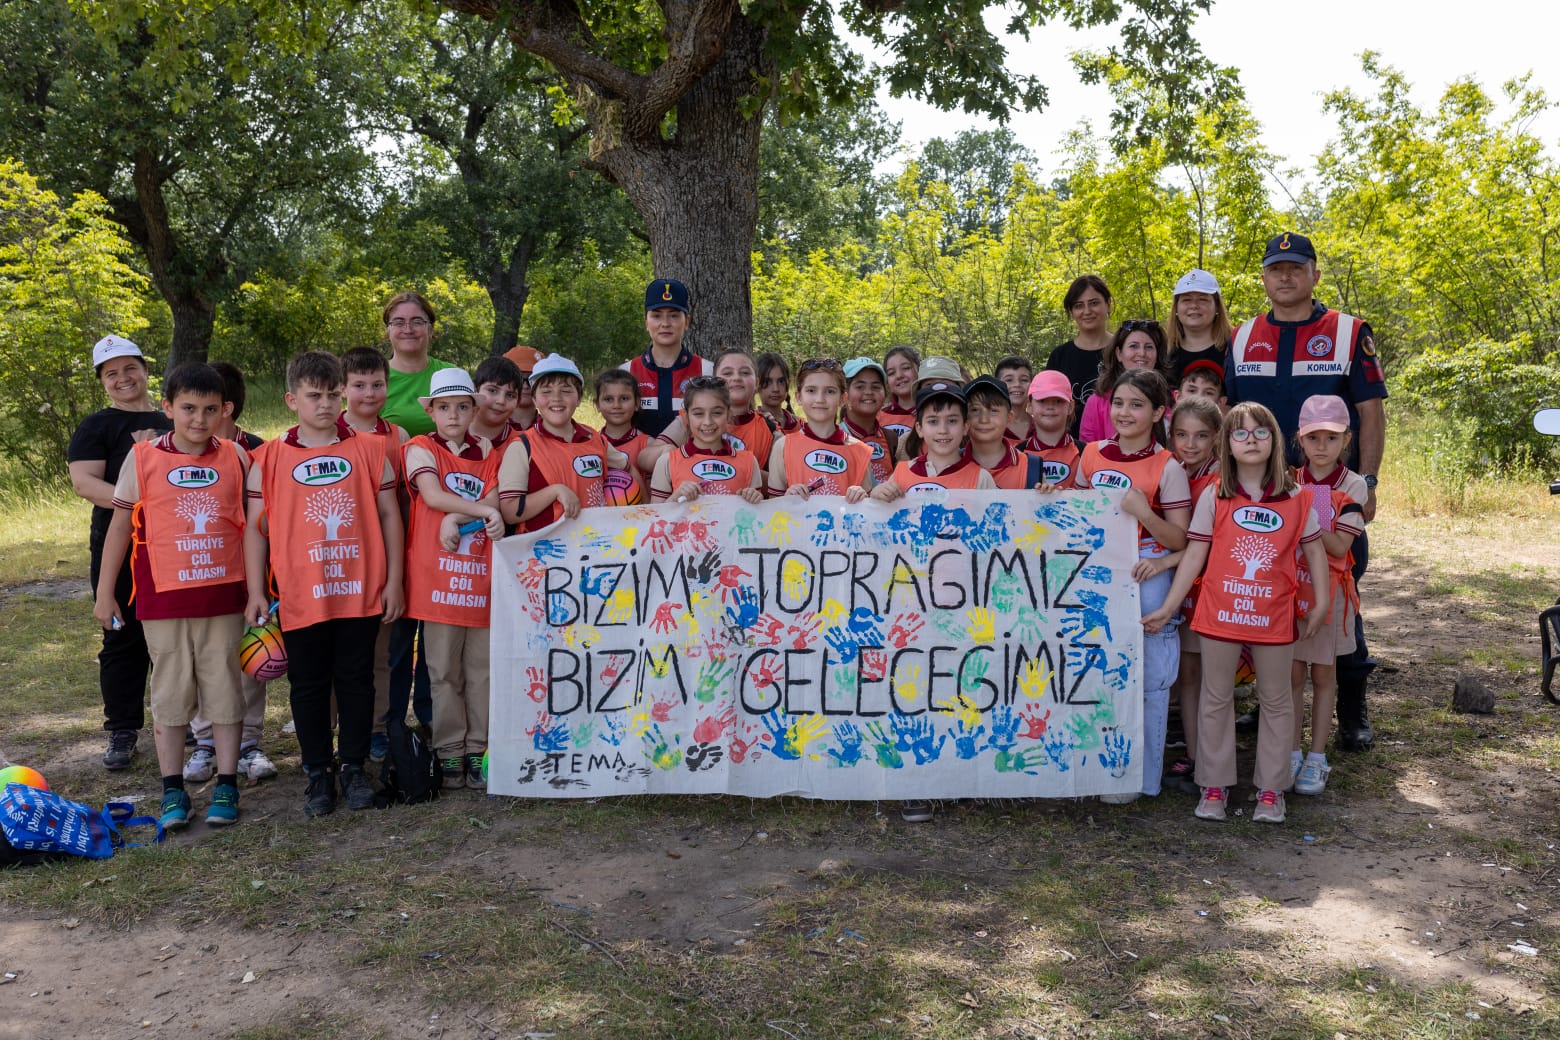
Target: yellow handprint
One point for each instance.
(778, 530)
(833, 610)
(1034, 538)
(796, 576)
(620, 605)
(617, 546)
(963, 708)
(983, 627)
(581, 635)
(1035, 679)
(639, 722)
(804, 731)
(907, 683)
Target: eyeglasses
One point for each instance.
(1261, 433)
(1139, 325)
(408, 323)
(826, 364)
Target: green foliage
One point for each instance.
(589, 309)
(65, 281)
(1486, 392)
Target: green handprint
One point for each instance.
(744, 527)
(975, 668)
(583, 735)
(712, 678)
(1005, 590)
(1023, 761)
(888, 755)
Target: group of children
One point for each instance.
(347, 523)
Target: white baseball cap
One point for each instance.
(110, 347)
(449, 382)
(556, 364)
(1197, 280)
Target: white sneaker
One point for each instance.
(1123, 798)
(1295, 765)
(254, 766)
(202, 765)
(1313, 777)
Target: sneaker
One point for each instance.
(1121, 798)
(915, 812)
(1270, 807)
(378, 747)
(454, 770)
(224, 806)
(1211, 805)
(202, 765)
(476, 776)
(1295, 765)
(290, 727)
(189, 736)
(175, 813)
(121, 749)
(1182, 776)
(356, 789)
(254, 766)
(319, 796)
(1313, 777)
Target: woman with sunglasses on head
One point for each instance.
(1137, 344)
(1087, 303)
(409, 321)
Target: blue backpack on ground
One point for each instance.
(40, 826)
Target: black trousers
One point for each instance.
(123, 663)
(333, 657)
(1355, 668)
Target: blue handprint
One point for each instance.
(867, 626)
(1117, 753)
(1095, 573)
(593, 582)
(745, 614)
(966, 741)
(824, 526)
(1058, 749)
(915, 736)
(558, 610)
(849, 751)
(547, 739)
(549, 549)
(778, 743)
(855, 527)
(843, 642)
(616, 727)
(1004, 728)
(888, 755)
(1093, 615)
(991, 531)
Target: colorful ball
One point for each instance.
(24, 776)
(261, 653)
(621, 488)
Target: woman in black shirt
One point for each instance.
(1088, 304)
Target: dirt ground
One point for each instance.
(1433, 863)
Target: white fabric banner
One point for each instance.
(954, 644)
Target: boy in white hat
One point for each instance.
(453, 477)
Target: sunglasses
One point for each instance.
(1261, 433)
(1139, 325)
(825, 364)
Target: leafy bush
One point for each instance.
(1486, 393)
(65, 282)
(589, 310)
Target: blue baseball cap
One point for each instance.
(1290, 247)
(666, 292)
(856, 365)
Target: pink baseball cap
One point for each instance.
(1050, 383)
(1323, 412)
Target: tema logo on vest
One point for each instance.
(925, 488)
(192, 476)
(878, 450)
(464, 485)
(588, 465)
(825, 461)
(1113, 479)
(737, 443)
(713, 469)
(1258, 519)
(322, 471)
(1056, 472)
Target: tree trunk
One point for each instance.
(146, 219)
(508, 288)
(698, 193)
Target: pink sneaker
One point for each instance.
(1211, 805)
(1270, 807)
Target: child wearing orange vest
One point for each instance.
(1050, 406)
(1016, 373)
(453, 476)
(617, 399)
(1338, 496)
(498, 381)
(940, 424)
(902, 370)
(774, 391)
(1244, 538)
(865, 385)
(1194, 433)
(709, 463)
(559, 465)
(819, 457)
(327, 498)
(179, 511)
(991, 443)
(747, 429)
(1157, 497)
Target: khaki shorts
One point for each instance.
(195, 666)
(1334, 640)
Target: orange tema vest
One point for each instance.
(911, 482)
(1249, 584)
(452, 588)
(1329, 501)
(715, 474)
(835, 466)
(752, 435)
(579, 466)
(1060, 462)
(900, 420)
(1143, 474)
(196, 502)
(327, 549)
(882, 465)
(1198, 485)
(1016, 476)
(631, 446)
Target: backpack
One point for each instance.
(411, 773)
(41, 827)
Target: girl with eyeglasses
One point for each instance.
(819, 457)
(409, 325)
(1246, 536)
(1138, 344)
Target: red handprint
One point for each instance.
(664, 620)
(768, 630)
(902, 632)
(538, 679)
(661, 711)
(1036, 724)
(730, 579)
(543, 724)
(610, 671)
(763, 674)
(532, 574)
(803, 635)
(874, 664)
(710, 729)
(741, 747)
(657, 537)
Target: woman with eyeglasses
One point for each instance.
(409, 320)
(1087, 303)
(1137, 344)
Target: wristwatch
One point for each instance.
(1370, 481)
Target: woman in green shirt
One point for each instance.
(409, 322)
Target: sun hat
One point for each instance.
(449, 382)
